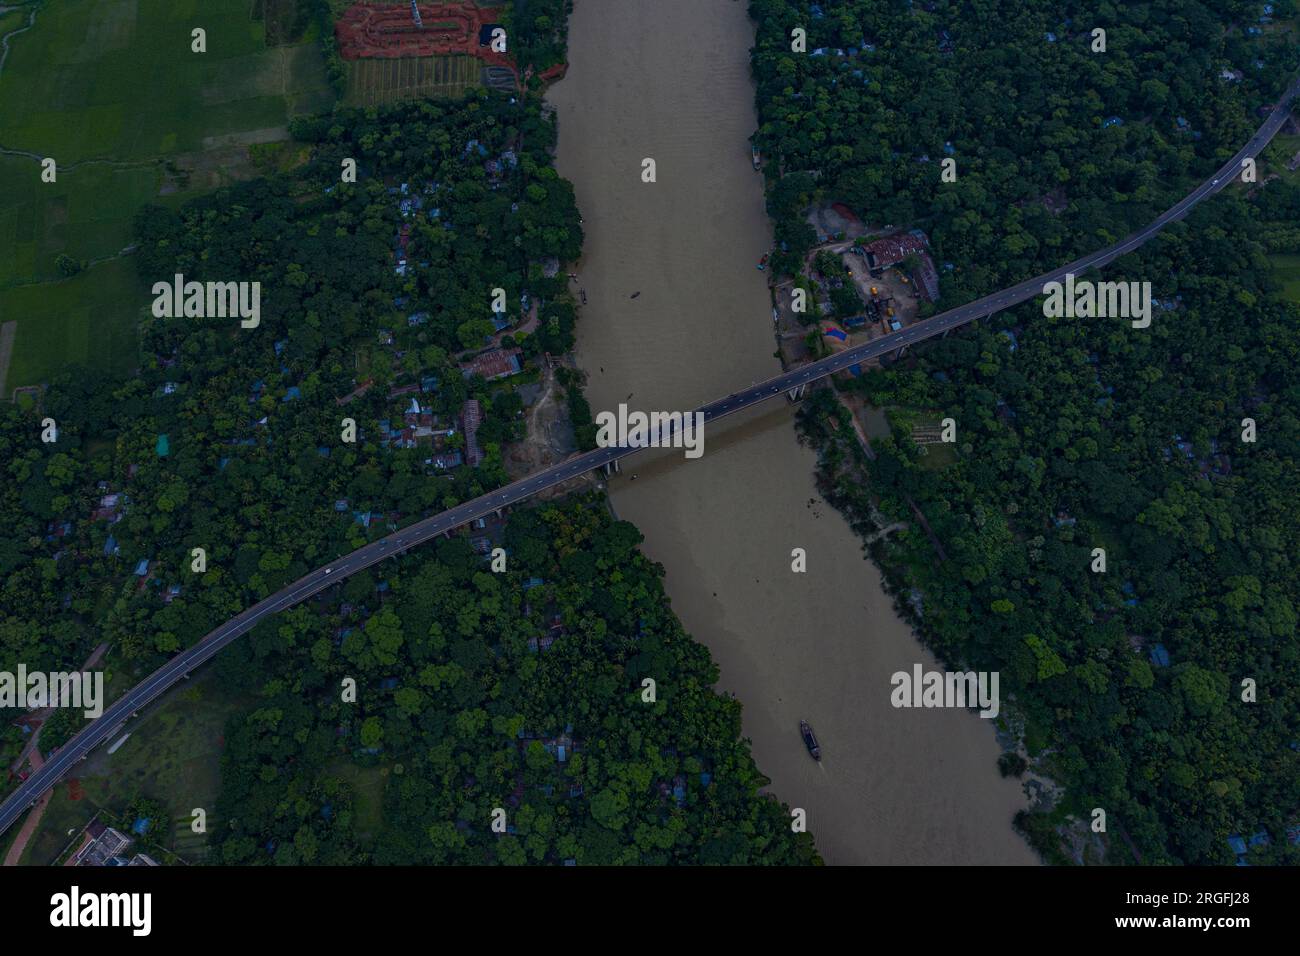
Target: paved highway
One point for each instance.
(421, 531)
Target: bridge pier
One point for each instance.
(797, 393)
(611, 468)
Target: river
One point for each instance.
(670, 81)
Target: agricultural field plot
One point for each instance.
(88, 320)
(1286, 269)
(112, 91)
(86, 214)
(923, 425)
(372, 82)
(172, 755)
(117, 79)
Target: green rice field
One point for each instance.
(372, 82)
(1286, 269)
(112, 91)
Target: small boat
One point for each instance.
(758, 159)
(762, 264)
(583, 293)
(809, 740)
(635, 294)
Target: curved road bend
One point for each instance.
(421, 531)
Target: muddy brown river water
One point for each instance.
(669, 80)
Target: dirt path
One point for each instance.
(542, 434)
(32, 752)
(4, 42)
(528, 327)
(41, 716)
(68, 167)
(929, 532)
(863, 440)
(537, 450)
(33, 821)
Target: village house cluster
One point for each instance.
(103, 845)
(891, 275)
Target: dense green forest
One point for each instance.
(254, 458)
(889, 88)
(539, 30)
(231, 440)
(1072, 434)
(478, 691)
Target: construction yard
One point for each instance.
(402, 51)
(891, 301)
(378, 30)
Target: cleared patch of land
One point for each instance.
(1278, 156)
(173, 755)
(367, 785)
(924, 427)
(1286, 269)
